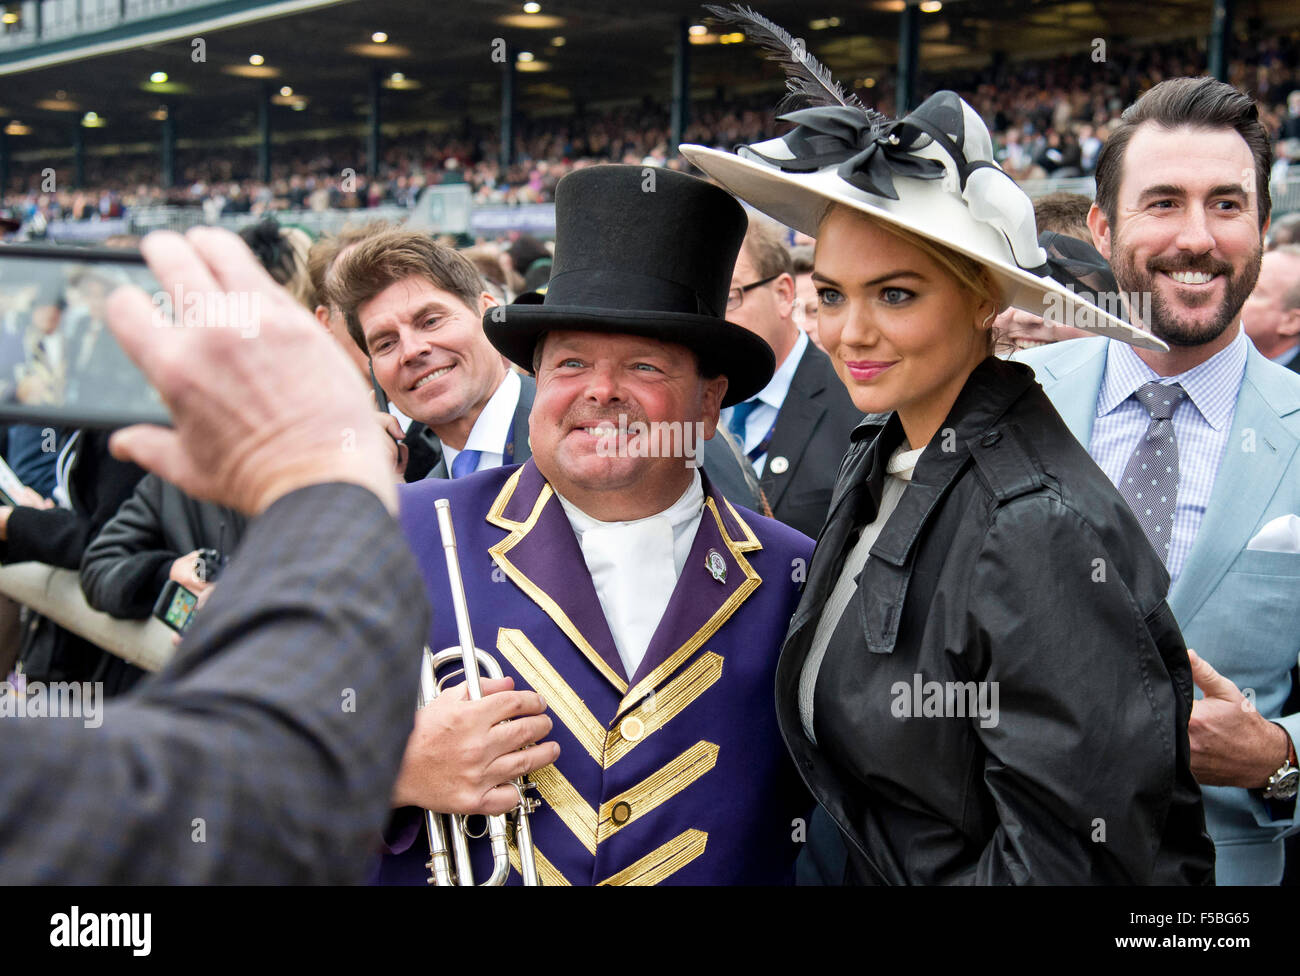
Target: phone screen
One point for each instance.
(59, 361)
(177, 615)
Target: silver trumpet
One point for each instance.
(448, 837)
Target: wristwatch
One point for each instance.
(1283, 784)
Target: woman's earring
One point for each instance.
(988, 322)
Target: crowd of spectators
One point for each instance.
(1048, 118)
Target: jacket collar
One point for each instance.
(989, 392)
(971, 425)
(541, 555)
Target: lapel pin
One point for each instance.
(716, 565)
(779, 465)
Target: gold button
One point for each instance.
(621, 813)
(631, 728)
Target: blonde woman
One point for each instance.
(982, 683)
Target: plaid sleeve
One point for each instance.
(267, 751)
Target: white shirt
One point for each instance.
(491, 430)
(771, 397)
(899, 470)
(402, 418)
(635, 565)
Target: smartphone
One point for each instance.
(59, 361)
(175, 606)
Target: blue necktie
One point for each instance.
(465, 463)
(739, 415)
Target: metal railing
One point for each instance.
(49, 20)
(56, 593)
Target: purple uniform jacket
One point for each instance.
(676, 775)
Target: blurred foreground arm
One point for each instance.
(268, 750)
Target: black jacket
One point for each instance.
(127, 565)
(97, 485)
(1011, 559)
(426, 455)
(812, 434)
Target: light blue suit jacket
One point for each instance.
(1238, 608)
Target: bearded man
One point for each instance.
(1202, 440)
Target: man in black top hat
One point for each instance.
(610, 575)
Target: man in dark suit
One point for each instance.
(413, 306)
(795, 431)
(1271, 316)
(244, 761)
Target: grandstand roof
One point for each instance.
(612, 50)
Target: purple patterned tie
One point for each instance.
(1150, 480)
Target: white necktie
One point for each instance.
(631, 564)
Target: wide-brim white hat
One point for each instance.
(938, 165)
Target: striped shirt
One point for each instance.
(1201, 426)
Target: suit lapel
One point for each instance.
(520, 447)
(1085, 368)
(1255, 460)
(542, 557)
(799, 416)
(701, 602)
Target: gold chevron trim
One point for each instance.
(659, 708)
(495, 516)
(568, 805)
(663, 861)
(751, 541)
(659, 786)
(720, 616)
(592, 828)
(561, 699)
(539, 596)
(547, 872)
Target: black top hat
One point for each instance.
(648, 252)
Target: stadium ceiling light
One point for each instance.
(931, 6)
(697, 30)
(92, 120)
(557, 42)
(398, 76)
(532, 8)
(379, 37)
(16, 128)
(526, 55)
(286, 91)
(256, 60)
(158, 77)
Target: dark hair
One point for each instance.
(283, 253)
(326, 249)
(393, 256)
(1202, 103)
(801, 258)
(767, 252)
(1064, 213)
